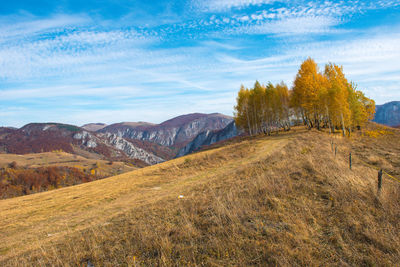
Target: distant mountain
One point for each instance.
(93, 127)
(174, 133)
(37, 137)
(5, 130)
(143, 142)
(208, 138)
(46, 137)
(388, 114)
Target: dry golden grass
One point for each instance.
(283, 200)
(46, 159)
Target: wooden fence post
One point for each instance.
(350, 160)
(380, 181)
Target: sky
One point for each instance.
(76, 61)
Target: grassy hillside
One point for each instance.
(32, 173)
(280, 200)
(46, 159)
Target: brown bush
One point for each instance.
(12, 165)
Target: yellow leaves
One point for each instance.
(308, 91)
(78, 167)
(262, 107)
(241, 109)
(305, 150)
(377, 133)
(326, 99)
(338, 95)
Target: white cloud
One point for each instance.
(222, 5)
(372, 61)
(291, 17)
(49, 53)
(290, 26)
(27, 25)
(244, 18)
(322, 7)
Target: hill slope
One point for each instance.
(281, 200)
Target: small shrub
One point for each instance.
(305, 150)
(12, 165)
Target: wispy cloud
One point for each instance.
(223, 5)
(26, 25)
(47, 53)
(369, 60)
(290, 26)
(323, 7)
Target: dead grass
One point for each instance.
(284, 200)
(46, 159)
(380, 151)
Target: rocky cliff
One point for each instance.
(209, 137)
(130, 149)
(176, 132)
(388, 114)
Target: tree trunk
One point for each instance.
(329, 123)
(343, 129)
(248, 121)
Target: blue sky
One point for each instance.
(108, 61)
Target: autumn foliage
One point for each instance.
(21, 181)
(318, 99)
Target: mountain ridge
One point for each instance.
(147, 142)
(47, 137)
(177, 131)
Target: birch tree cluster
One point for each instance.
(317, 99)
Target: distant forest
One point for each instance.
(318, 99)
(16, 181)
